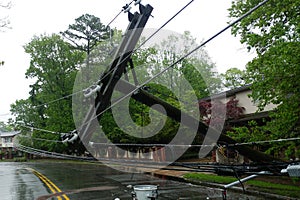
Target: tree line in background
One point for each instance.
(272, 32)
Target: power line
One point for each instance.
(144, 145)
(143, 43)
(59, 99)
(169, 67)
(162, 26)
(40, 129)
(70, 95)
(102, 78)
(265, 141)
(123, 8)
(40, 139)
(50, 154)
(179, 60)
(150, 145)
(161, 145)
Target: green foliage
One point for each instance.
(196, 71)
(87, 32)
(193, 77)
(278, 85)
(275, 21)
(251, 133)
(233, 78)
(289, 190)
(5, 127)
(140, 115)
(273, 32)
(53, 66)
(210, 178)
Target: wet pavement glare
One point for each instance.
(85, 181)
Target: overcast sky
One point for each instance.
(202, 18)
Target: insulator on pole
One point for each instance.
(137, 2)
(126, 8)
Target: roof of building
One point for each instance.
(9, 134)
(227, 93)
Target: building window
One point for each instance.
(7, 139)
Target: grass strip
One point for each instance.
(263, 186)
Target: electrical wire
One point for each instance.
(265, 141)
(187, 166)
(176, 62)
(179, 60)
(50, 154)
(74, 93)
(172, 65)
(40, 139)
(39, 129)
(59, 99)
(118, 14)
(162, 26)
(151, 145)
(143, 43)
(162, 145)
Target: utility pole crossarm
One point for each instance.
(114, 72)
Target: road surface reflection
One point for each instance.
(87, 181)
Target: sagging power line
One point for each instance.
(144, 145)
(138, 88)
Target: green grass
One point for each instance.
(263, 186)
(210, 178)
(276, 188)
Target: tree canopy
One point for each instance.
(273, 32)
(53, 66)
(87, 32)
(234, 78)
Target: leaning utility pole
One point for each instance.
(108, 83)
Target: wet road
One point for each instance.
(28, 181)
